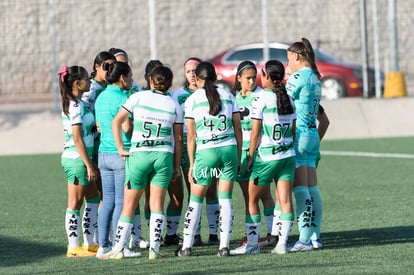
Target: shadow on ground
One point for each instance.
(365, 237)
(15, 252)
(368, 237)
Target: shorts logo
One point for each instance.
(212, 172)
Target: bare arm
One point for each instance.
(254, 140)
(323, 124)
(238, 133)
(191, 145)
(119, 119)
(178, 149)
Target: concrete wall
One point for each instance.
(184, 28)
(350, 118)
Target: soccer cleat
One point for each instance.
(268, 241)
(280, 249)
(180, 252)
(213, 239)
(140, 243)
(128, 253)
(242, 241)
(224, 252)
(113, 255)
(197, 240)
(300, 246)
(245, 249)
(153, 255)
(317, 243)
(91, 248)
(102, 250)
(79, 252)
(171, 240)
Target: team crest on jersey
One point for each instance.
(244, 112)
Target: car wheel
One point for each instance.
(224, 85)
(332, 88)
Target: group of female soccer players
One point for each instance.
(123, 142)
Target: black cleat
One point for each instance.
(213, 240)
(224, 252)
(180, 252)
(171, 240)
(197, 240)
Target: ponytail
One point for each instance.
(310, 56)
(305, 51)
(206, 72)
(67, 76)
(276, 72)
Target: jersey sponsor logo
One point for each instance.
(150, 143)
(214, 138)
(281, 148)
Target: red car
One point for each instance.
(339, 79)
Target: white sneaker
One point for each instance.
(245, 249)
(128, 253)
(300, 246)
(280, 249)
(102, 250)
(140, 243)
(317, 243)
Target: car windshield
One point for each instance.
(324, 57)
(256, 55)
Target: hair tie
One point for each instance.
(63, 73)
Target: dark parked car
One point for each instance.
(339, 79)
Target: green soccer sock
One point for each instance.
(317, 207)
(303, 212)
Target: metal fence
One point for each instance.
(36, 34)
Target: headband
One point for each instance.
(192, 60)
(247, 66)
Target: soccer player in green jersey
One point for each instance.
(245, 89)
(76, 160)
(153, 159)
(271, 156)
(214, 145)
(176, 188)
